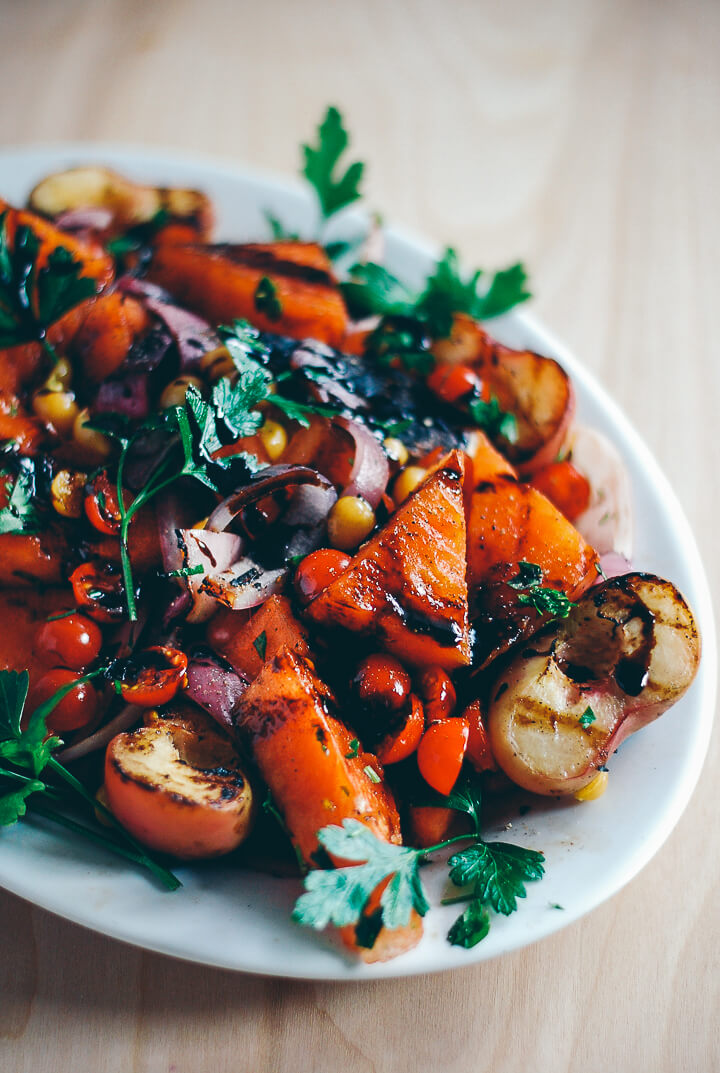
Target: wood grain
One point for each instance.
(583, 137)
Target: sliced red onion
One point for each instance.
(89, 218)
(371, 469)
(243, 586)
(270, 479)
(614, 565)
(179, 607)
(126, 717)
(215, 553)
(193, 336)
(216, 687)
(173, 514)
(310, 505)
(127, 396)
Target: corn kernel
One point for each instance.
(92, 441)
(274, 439)
(396, 450)
(594, 789)
(407, 481)
(350, 521)
(56, 408)
(217, 363)
(60, 377)
(67, 493)
(175, 392)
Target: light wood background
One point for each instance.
(583, 136)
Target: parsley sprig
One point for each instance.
(496, 872)
(32, 778)
(20, 515)
(335, 188)
(32, 299)
(545, 601)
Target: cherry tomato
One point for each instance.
(441, 752)
(317, 570)
(438, 693)
(153, 677)
(98, 590)
(453, 382)
(382, 681)
(71, 641)
(101, 505)
(402, 743)
(564, 486)
(77, 708)
(478, 749)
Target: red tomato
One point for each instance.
(317, 570)
(564, 486)
(101, 505)
(402, 743)
(71, 641)
(441, 753)
(153, 677)
(438, 693)
(382, 681)
(453, 382)
(478, 750)
(77, 708)
(98, 590)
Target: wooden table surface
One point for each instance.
(583, 137)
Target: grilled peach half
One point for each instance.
(178, 787)
(628, 650)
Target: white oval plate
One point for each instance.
(241, 920)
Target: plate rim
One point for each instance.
(139, 155)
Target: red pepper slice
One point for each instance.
(151, 678)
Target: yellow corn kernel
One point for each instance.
(56, 408)
(61, 376)
(217, 363)
(350, 521)
(396, 450)
(175, 392)
(407, 481)
(67, 493)
(92, 441)
(274, 439)
(594, 789)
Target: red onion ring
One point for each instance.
(85, 219)
(243, 586)
(192, 335)
(216, 688)
(270, 479)
(371, 470)
(127, 717)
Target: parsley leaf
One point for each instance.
(266, 299)
(498, 872)
(471, 926)
(339, 895)
(496, 422)
(31, 299)
(20, 515)
(30, 747)
(335, 191)
(12, 804)
(545, 601)
(587, 717)
(372, 290)
(354, 749)
(278, 229)
(260, 644)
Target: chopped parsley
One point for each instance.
(587, 717)
(266, 299)
(260, 644)
(354, 749)
(545, 601)
(496, 422)
(20, 514)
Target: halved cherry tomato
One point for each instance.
(382, 681)
(317, 570)
(99, 591)
(564, 486)
(453, 382)
(71, 641)
(438, 693)
(77, 708)
(101, 505)
(402, 743)
(152, 677)
(478, 749)
(441, 753)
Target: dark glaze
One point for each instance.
(266, 260)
